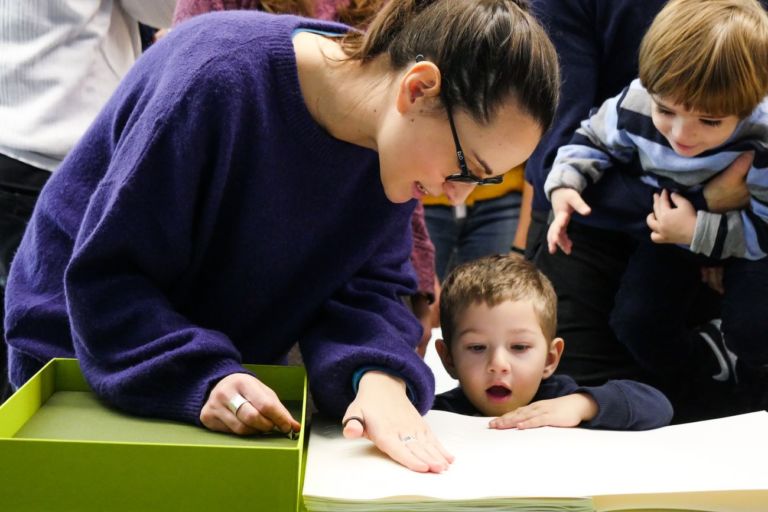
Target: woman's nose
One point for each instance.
(457, 192)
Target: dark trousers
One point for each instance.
(656, 295)
(488, 228)
(620, 319)
(586, 283)
(20, 185)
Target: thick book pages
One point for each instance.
(717, 465)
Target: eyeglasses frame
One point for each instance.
(465, 176)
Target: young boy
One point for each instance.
(498, 316)
(697, 106)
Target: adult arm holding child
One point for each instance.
(604, 139)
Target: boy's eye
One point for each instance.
(663, 111)
(519, 347)
(475, 348)
(712, 122)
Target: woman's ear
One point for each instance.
(420, 82)
(553, 356)
(444, 351)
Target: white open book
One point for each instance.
(717, 465)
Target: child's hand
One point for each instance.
(564, 202)
(564, 411)
(673, 219)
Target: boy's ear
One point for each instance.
(421, 81)
(553, 356)
(444, 351)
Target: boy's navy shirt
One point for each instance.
(622, 404)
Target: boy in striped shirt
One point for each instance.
(697, 107)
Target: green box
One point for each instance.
(62, 449)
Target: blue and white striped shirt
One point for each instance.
(622, 130)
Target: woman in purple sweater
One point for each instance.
(357, 14)
(244, 189)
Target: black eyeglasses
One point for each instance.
(465, 176)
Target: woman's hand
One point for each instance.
(673, 219)
(382, 413)
(261, 412)
(728, 190)
(565, 201)
(564, 411)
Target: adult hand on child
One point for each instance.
(564, 411)
(673, 219)
(728, 190)
(565, 201)
(382, 413)
(261, 411)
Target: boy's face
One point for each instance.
(500, 355)
(690, 132)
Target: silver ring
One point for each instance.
(407, 439)
(236, 402)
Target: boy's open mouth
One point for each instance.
(498, 391)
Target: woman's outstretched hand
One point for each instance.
(382, 413)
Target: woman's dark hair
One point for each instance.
(487, 51)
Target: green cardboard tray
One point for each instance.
(62, 449)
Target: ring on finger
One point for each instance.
(355, 418)
(236, 402)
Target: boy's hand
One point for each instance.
(673, 219)
(564, 411)
(565, 201)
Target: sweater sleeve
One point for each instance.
(367, 324)
(740, 233)
(592, 149)
(627, 405)
(140, 237)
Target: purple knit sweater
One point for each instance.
(206, 220)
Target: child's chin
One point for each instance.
(491, 411)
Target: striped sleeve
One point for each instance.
(739, 233)
(592, 149)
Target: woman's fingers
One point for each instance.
(353, 426)
(243, 405)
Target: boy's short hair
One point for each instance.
(491, 281)
(710, 56)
